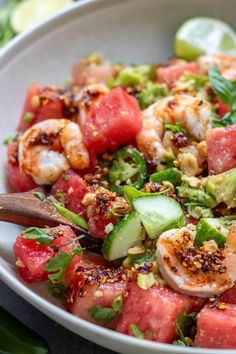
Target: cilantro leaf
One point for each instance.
(40, 235)
(151, 93)
(185, 325)
(175, 128)
(59, 265)
(102, 314)
(106, 314)
(136, 331)
(228, 119)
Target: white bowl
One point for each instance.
(132, 31)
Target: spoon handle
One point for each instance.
(27, 209)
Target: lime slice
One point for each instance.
(204, 35)
(30, 12)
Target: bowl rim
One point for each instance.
(7, 54)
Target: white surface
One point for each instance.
(131, 30)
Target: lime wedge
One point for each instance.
(30, 12)
(204, 35)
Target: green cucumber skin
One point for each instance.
(116, 232)
(172, 175)
(151, 225)
(202, 234)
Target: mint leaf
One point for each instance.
(185, 325)
(102, 314)
(223, 88)
(175, 128)
(228, 119)
(136, 331)
(40, 235)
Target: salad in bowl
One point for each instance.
(143, 158)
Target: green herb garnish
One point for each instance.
(59, 264)
(105, 315)
(175, 128)
(226, 91)
(136, 331)
(185, 325)
(11, 139)
(40, 235)
(151, 93)
(29, 116)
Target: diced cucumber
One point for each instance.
(172, 175)
(211, 229)
(159, 213)
(126, 234)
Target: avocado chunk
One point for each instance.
(223, 187)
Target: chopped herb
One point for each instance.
(228, 119)
(147, 257)
(105, 315)
(185, 325)
(67, 177)
(199, 80)
(39, 195)
(102, 314)
(57, 290)
(40, 235)
(175, 128)
(11, 139)
(62, 198)
(74, 218)
(133, 76)
(145, 281)
(28, 117)
(117, 303)
(136, 331)
(179, 343)
(151, 93)
(59, 264)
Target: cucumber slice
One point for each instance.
(211, 229)
(126, 234)
(159, 213)
(172, 175)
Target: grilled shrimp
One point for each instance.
(51, 147)
(190, 270)
(192, 113)
(87, 96)
(220, 61)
